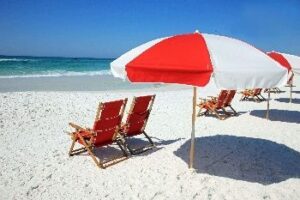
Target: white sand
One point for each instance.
(244, 157)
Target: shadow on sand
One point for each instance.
(287, 100)
(296, 92)
(242, 158)
(278, 115)
(112, 151)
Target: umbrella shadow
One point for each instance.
(242, 158)
(296, 92)
(278, 115)
(287, 100)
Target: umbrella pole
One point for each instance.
(193, 129)
(291, 90)
(268, 105)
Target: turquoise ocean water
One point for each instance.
(24, 66)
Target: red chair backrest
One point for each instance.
(229, 97)
(257, 91)
(108, 121)
(221, 99)
(138, 115)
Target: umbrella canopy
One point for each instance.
(194, 59)
(291, 62)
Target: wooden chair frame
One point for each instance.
(88, 144)
(211, 107)
(252, 94)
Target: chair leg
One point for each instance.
(257, 99)
(87, 147)
(206, 112)
(142, 149)
(72, 147)
(121, 145)
(214, 111)
(130, 149)
(225, 112)
(234, 112)
(78, 151)
(199, 113)
(203, 113)
(244, 98)
(149, 139)
(262, 97)
(73, 151)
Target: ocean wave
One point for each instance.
(14, 60)
(61, 74)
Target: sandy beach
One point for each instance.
(60, 59)
(243, 157)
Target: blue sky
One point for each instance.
(111, 27)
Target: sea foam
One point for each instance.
(61, 74)
(14, 60)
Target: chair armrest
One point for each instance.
(213, 98)
(76, 126)
(202, 99)
(245, 92)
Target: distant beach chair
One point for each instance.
(136, 122)
(254, 94)
(104, 132)
(213, 105)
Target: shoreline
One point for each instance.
(69, 83)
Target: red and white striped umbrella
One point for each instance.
(194, 59)
(290, 62)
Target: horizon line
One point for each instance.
(74, 57)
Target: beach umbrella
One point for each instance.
(291, 62)
(194, 59)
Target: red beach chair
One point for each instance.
(137, 120)
(104, 132)
(213, 105)
(254, 94)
